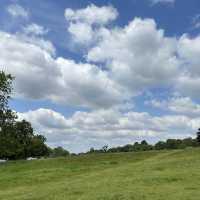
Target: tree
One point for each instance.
(5, 89)
(144, 143)
(171, 144)
(38, 147)
(18, 141)
(127, 148)
(105, 148)
(32, 145)
(136, 146)
(23, 135)
(60, 152)
(7, 117)
(92, 150)
(188, 142)
(160, 145)
(17, 138)
(6, 114)
(198, 136)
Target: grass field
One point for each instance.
(164, 175)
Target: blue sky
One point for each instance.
(92, 73)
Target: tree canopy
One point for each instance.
(17, 138)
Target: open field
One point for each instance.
(164, 175)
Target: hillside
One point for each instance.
(164, 175)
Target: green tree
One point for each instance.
(127, 148)
(38, 147)
(92, 150)
(7, 117)
(160, 145)
(198, 136)
(6, 114)
(105, 148)
(31, 145)
(17, 138)
(60, 152)
(23, 135)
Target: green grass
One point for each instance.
(164, 175)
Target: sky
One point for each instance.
(109, 72)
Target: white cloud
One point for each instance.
(87, 85)
(138, 55)
(41, 43)
(32, 66)
(189, 80)
(16, 10)
(180, 105)
(59, 80)
(92, 15)
(189, 49)
(129, 60)
(35, 29)
(126, 61)
(107, 127)
(81, 32)
(45, 118)
(84, 24)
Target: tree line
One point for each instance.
(144, 146)
(17, 138)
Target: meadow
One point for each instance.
(153, 175)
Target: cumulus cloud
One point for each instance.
(88, 85)
(120, 63)
(16, 10)
(98, 124)
(92, 15)
(128, 60)
(58, 79)
(84, 24)
(107, 127)
(138, 55)
(32, 66)
(189, 49)
(135, 58)
(180, 105)
(188, 81)
(81, 32)
(35, 29)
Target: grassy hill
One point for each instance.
(164, 175)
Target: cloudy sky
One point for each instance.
(109, 72)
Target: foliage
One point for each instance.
(59, 152)
(6, 115)
(198, 136)
(17, 138)
(144, 146)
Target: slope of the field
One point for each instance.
(165, 175)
